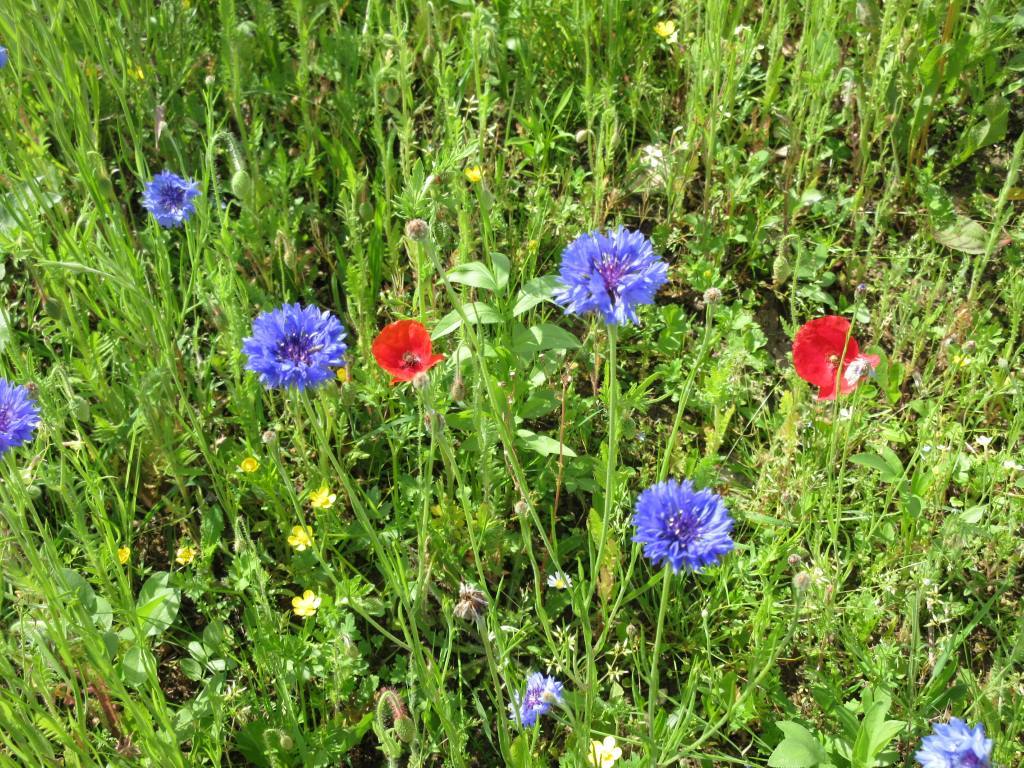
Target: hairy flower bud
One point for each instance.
(458, 390)
(417, 229)
(241, 184)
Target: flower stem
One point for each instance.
(612, 455)
(652, 693)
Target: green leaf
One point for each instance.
(800, 749)
(966, 236)
(538, 338)
(890, 468)
(875, 732)
(501, 267)
(133, 666)
(535, 292)
(519, 752)
(991, 128)
(157, 604)
(475, 311)
(475, 274)
(542, 444)
(76, 588)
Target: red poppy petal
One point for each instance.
(418, 339)
(399, 339)
(819, 342)
(827, 392)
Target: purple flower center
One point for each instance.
(611, 271)
(409, 360)
(172, 196)
(5, 418)
(296, 349)
(681, 525)
(970, 760)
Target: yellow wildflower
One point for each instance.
(300, 538)
(306, 604)
(474, 174)
(666, 30)
(603, 754)
(123, 555)
(185, 555)
(322, 498)
(342, 374)
(249, 464)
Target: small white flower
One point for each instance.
(559, 580)
(983, 440)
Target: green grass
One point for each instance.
(783, 153)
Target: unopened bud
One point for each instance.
(405, 729)
(241, 184)
(269, 436)
(861, 289)
(521, 508)
(420, 380)
(802, 581)
(712, 295)
(417, 229)
(458, 390)
(582, 135)
(795, 559)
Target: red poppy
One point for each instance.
(818, 348)
(403, 349)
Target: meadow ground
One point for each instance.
(199, 570)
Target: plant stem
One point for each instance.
(612, 386)
(652, 693)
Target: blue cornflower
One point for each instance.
(611, 273)
(169, 198)
(4, 57)
(295, 346)
(955, 745)
(683, 526)
(541, 693)
(19, 416)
